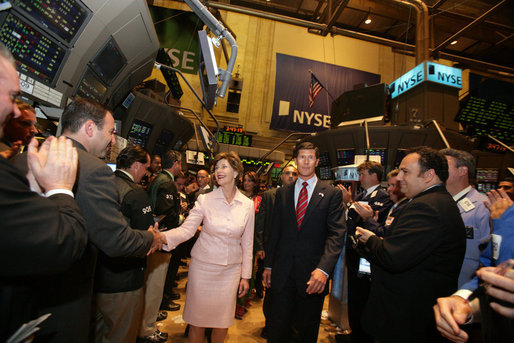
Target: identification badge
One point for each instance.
(373, 194)
(496, 242)
(364, 267)
(389, 220)
(469, 232)
(466, 204)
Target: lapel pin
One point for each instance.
(321, 195)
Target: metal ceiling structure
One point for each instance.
(476, 34)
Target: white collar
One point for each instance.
(462, 193)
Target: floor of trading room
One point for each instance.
(246, 330)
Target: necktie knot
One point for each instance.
(305, 183)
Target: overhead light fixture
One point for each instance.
(368, 20)
(453, 43)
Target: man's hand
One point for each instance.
(54, 165)
(364, 234)
(363, 210)
(12, 151)
(260, 255)
(266, 277)
(501, 287)
(347, 193)
(450, 312)
(244, 287)
(158, 239)
(317, 282)
(498, 202)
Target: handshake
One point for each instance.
(159, 239)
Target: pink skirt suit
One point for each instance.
(221, 256)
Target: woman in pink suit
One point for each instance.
(221, 259)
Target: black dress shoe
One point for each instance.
(156, 337)
(162, 316)
(170, 306)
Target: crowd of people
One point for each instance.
(426, 258)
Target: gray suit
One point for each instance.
(70, 294)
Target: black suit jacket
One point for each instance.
(263, 220)
(40, 237)
(165, 199)
(69, 296)
(318, 242)
(418, 261)
(123, 274)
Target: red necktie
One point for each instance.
(301, 205)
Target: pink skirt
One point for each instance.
(211, 294)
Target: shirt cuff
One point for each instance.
(463, 293)
(324, 272)
(59, 191)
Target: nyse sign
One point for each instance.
(426, 71)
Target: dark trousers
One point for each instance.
(291, 308)
(358, 292)
(259, 287)
(266, 307)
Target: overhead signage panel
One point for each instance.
(408, 81)
(445, 75)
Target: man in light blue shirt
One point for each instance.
(461, 167)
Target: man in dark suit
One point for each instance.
(119, 293)
(262, 231)
(91, 127)
(41, 236)
(306, 240)
(420, 256)
(375, 199)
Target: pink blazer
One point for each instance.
(227, 232)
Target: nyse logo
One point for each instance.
(304, 117)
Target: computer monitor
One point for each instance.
(91, 86)
(207, 70)
(139, 132)
(64, 19)
(37, 54)
(109, 62)
(345, 156)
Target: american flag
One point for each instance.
(314, 89)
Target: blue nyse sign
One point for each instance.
(291, 111)
(426, 71)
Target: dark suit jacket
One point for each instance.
(166, 200)
(418, 261)
(70, 295)
(318, 242)
(40, 237)
(263, 220)
(123, 274)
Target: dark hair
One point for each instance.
(232, 159)
(431, 159)
(81, 110)
(169, 158)
(305, 146)
(154, 156)
(254, 178)
(393, 173)
(372, 167)
(463, 159)
(130, 155)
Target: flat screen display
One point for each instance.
(324, 159)
(325, 173)
(91, 87)
(379, 152)
(37, 55)
(64, 18)
(139, 132)
(345, 156)
(109, 62)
